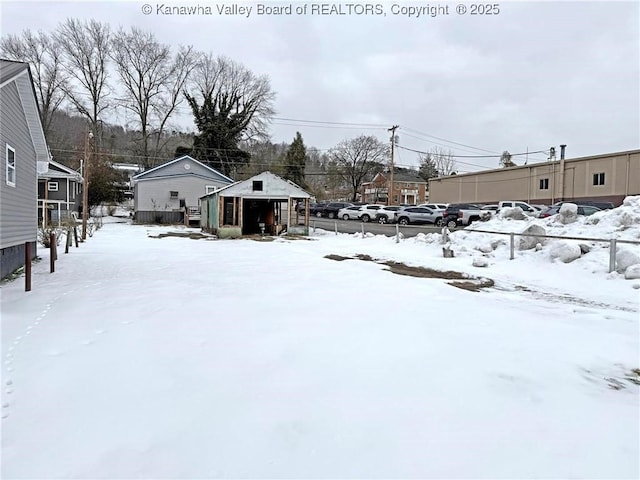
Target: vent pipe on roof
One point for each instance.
(562, 148)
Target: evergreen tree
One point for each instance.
(427, 168)
(295, 161)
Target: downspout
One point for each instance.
(562, 149)
(626, 188)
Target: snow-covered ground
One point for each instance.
(148, 356)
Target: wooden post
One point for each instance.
(27, 266)
(75, 235)
(68, 242)
(52, 252)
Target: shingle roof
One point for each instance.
(9, 69)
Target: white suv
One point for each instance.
(369, 212)
(435, 206)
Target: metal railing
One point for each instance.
(613, 242)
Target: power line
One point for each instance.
(474, 156)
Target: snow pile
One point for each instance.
(622, 223)
(626, 257)
(565, 251)
(514, 213)
(568, 213)
(626, 216)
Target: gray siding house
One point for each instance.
(170, 193)
(59, 192)
(22, 145)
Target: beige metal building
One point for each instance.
(608, 177)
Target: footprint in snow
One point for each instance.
(88, 342)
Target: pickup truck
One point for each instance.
(463, 214)
(526, 208)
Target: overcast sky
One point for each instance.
(534, 75)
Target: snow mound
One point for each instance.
(568, 213)
(513, 213)
(632, 201)
(626, 257)
(632, 272)
(565, 251)
(480, 261)
(625, 216)
(527, 242)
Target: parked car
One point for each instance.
(350, 213)
(435, 206)
(387, 214)
(314, 208)
(526, 208)
(462, 214)
(582, 210)
(331, 210)
(369, 212)
(594, 203)
(410, 215)
(492, 207)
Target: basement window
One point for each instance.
(598, 178)
(173, 194)
(52, 186)
(544, 184)
(257, 185)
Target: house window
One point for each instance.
(10, 155)
(209, 189)
(598, 178)
(544, 184)
(257, 185)
(173, 194)
(52, 186)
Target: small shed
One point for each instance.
(262, 204)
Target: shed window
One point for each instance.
(52, 186)
(173, 194)
(544, 184)
(10, 156)
(257, 185)
(598, 178)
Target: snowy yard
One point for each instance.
(172, 357)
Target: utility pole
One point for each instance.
(393, 142)
(85, 185)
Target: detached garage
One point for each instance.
(263, 204)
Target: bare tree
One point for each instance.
(230, 104)
(42, 53)
(357, 159)
(152, 79)
(85, 52)
(443, 161)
